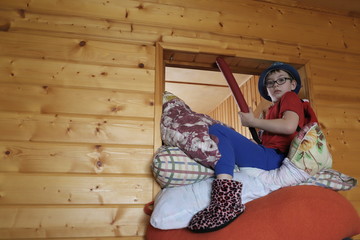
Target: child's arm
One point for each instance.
(285, 125)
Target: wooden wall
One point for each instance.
(79, 103)
(227, 111)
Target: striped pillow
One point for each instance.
(171, 167)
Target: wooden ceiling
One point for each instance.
(201, 90)
(204, 90)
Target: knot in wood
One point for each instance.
(99, 163)
(82, 43)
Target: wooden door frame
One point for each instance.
(160, 73)
(160, 77)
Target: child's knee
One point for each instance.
(216, 128)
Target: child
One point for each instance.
(280, 84)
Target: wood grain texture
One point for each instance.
(74, 75)
(74, 189)
(80, 98)
(30, 157)
(57, 128)
(57, 100)
(77, 50)
(227, 111)
(268, 21)
(72, 222)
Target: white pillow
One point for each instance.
(174, 207)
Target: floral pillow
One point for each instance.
(309, 151)
(181, 127)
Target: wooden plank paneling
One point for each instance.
(227, 111)
(349, 8)
(18, 15)
(30, 157)
(338, 8)
(56, 128)
(74, 189)
(345, 165)
(72, 222)
(350, 93)
(64, 73)
(76, 50)
(329, 74)
(94, 29)
(338, 118)
(276, 21)
(56, 100)
(329, 29)
(78, 89)
(49, 76)
(354, 194)
(92, 8)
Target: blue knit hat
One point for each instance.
(278, 66)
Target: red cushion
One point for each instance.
(297, 213)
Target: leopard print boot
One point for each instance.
(225, 206)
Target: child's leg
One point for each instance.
(225, 204)
(237, 149)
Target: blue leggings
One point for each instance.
(239, 150)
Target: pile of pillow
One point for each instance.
(189, 152)
(183, 167)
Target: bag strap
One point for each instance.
(309, 114)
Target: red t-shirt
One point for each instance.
(288, 102)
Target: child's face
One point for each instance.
(277, 91)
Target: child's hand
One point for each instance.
(247, 119)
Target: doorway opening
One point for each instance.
(195, 78)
